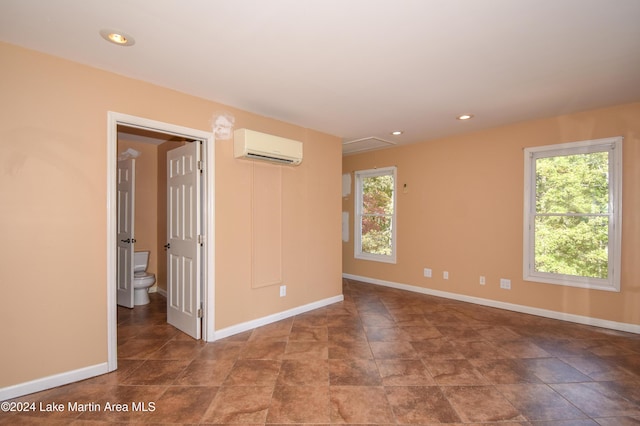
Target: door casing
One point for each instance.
(115, 119)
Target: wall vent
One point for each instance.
(365, 144)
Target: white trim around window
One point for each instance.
(360, 176)
(613, 214)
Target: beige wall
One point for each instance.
(146, 199)
(53, 159)
(463, 213)
(311, 259)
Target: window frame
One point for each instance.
(531, 154)
(358, 178)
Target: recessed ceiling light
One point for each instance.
(397, 132)
(465, 117)
(117, 37)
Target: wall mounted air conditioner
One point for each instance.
(261, 146)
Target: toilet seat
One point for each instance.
(146, 280)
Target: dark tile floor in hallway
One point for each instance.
(383, 356)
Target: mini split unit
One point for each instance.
(254, 145)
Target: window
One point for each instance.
(572, 214)
(375, 215)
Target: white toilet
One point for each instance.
(141, 279)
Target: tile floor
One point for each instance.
(383, 356)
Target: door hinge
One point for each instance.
(200, 166)
(201, 239)
(200, 312)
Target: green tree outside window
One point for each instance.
(377, 211)
(572, 224)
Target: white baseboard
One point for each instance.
(49, 382)
(579, 319)
(56, 380)
(249, 325)
(161, 292)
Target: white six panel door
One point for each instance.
(126, 184)
(184, 250)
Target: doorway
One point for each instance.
(141, 126)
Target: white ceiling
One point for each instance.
(358, 68)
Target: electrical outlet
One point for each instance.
(505, 283)
(483, 280)
(427, 272)
(283, 290)
(445, 275)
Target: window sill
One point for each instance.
(375, 258)
(571, 281)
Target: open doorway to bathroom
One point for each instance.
(149, 142)
(142, 236)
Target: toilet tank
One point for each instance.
(140, 261)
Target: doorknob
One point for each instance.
(128, 240)
(167, 246)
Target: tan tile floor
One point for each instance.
(383, 356)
